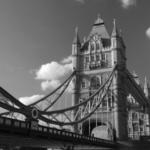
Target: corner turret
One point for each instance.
(146, 88)
(115, 32)
(75, 49)
(118, 48)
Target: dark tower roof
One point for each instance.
(99, 28)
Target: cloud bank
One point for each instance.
(124, 3)
(52, 73)
(127, 3)
(50, 84)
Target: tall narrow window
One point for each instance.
(86, 59)
(97, 57)
(83, 84)
(92, 58)
(97, 46)
(103, 60)
(134, 116)
(103, 56)
(92, 46)
(135, 127)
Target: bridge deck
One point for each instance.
(20, 133)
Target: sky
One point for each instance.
(36, 38)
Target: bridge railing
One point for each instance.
(21, 127)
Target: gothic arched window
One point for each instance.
(92, 46)
(95, 82)
(97, 46)
(134, 116)
(83, 83)
(97, 57)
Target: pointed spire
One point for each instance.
(76, 39)
(115, 32)
(146, 88)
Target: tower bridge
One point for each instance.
(108, 103)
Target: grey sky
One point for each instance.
(37, 32)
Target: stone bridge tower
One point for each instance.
(94, 59)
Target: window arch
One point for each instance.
(95, 82)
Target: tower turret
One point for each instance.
(146, 88)
(115, 32)
(75, 49)
(118, 48)
(76, 46)
(76, 42)
(119, 59)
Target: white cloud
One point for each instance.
(28, 100)
(53, 73)
(67, 60)
(127, 3)
(148, 32)
(50, 84)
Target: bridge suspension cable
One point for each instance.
(13, 105)
(57, 98)
(54, 91)
(12, 99)
(72, 115)
(82, 110)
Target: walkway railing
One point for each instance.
(8, 125)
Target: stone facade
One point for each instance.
(94, 60)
